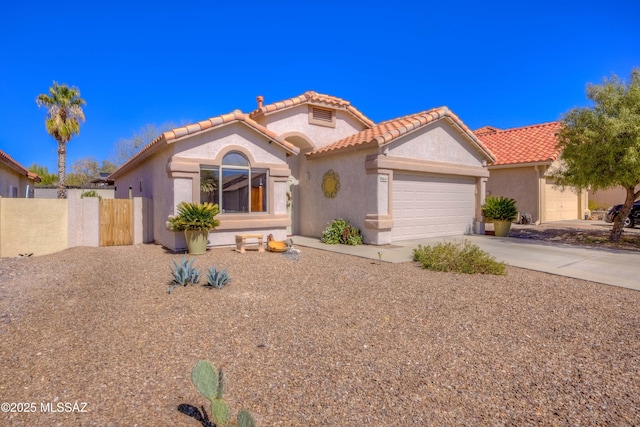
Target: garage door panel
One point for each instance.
(431, 206)
(561, 204)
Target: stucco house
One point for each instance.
(603, 199)
(15, 180)
(525, 158)
(291, 167)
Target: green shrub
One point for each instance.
(183, 274)
(340, 231)
(458, 258)
(90, 193)
(595, 206)
(499, 209)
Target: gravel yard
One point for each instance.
(326, 340)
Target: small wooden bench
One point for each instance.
(241, 241)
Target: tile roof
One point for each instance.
(314, 98)
(387, 131)
(486, 130)
(218, 121)
(18, 167)
(528, 144)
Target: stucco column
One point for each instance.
(542, 194)
(481, 193)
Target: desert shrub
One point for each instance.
(458, 258)
(596, 206)
(340, 231)
(90, 193)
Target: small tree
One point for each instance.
(43, 172)
(126, 148)
(64, 114)
(601, 144)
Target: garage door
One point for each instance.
(431, 206)
(560, 204)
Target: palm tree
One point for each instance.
(64, 114)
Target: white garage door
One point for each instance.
(560, 204)
(431, 206)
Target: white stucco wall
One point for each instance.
(296, 119)
(9, 179)
(521, 184)
(209, 144)
(437, 142)
(351, 201)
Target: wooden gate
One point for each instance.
(116, 222)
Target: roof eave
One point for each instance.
(547, 162)
(363, 146)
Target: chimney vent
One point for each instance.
(260, 99)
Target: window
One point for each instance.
(235, 186)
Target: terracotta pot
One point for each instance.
(196, 241)
(501, 228)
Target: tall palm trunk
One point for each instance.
(62, 165)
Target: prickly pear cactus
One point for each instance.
(211, 382)
(220, 412)
(205, 377)
(245, 419)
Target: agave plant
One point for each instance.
(217, 278)
(183, 274)
(195, 216)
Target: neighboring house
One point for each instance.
(602, 199)
(525, 158)
(293, 166)
(15, 179)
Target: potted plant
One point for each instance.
(501, 211)
(196, 220)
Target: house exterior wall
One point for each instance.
(521, 184)
(172, 175)
(367, 177)
(297, 119)
(10, 179)
(437, 142)
(355, 196)
(610, 197)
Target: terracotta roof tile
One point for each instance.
(486, 130)
(528, 144)
(314, 98)
(169, 136)
(385, 132)
(18, 167)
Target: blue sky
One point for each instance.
(505, 64)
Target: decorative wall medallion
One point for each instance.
(330, 184)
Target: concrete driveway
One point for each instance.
(611, 267)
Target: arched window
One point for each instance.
(234, 185)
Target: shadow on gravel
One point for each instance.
(195, 413)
